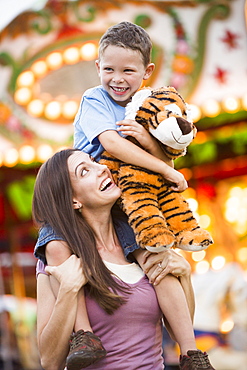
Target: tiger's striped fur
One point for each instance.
(159, 216)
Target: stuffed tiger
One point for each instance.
(160, 217)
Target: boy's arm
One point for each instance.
(130, 153)
(57, 252)
(129, 127)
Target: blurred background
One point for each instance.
(47, 55)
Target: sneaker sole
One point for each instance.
(76, 362)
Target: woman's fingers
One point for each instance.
(69, 272)
(163, 263)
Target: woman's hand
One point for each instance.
(69, 274)
(163, 263)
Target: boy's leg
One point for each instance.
(175, 309)
(173, 303)
(82, 320)
(174, 306)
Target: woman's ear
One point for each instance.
(76, 204)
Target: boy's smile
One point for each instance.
(121, 72)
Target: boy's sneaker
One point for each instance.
(195, 360)
(85, 349)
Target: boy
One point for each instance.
(124, 62)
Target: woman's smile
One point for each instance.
(107, 183)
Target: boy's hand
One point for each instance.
(146, 140)
(132, 128)
(175, 177)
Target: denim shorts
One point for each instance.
(124, 232)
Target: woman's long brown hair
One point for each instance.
(53, 205)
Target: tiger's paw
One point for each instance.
(158, 241)
(194, 241)
(161, 248)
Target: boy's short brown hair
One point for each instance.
(129, 36)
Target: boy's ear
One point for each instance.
(97, 65)
(149, 71)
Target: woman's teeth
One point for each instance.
(105, 184)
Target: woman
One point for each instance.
(74, 195)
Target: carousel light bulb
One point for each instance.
(232, 209)
(88, 51)
(205, 221)
(71, 55)
(25, 79)
(69, 109)
(226, 326)
(240, 228)
(244, 101)
(44, 152)
(193, 204)
(242, 254)
(26, 154)
(198, 256)
(218, 262)
(54, 60)
(22, 96)
(11, 157)
(211, 108)
(39, 68)
(36, 107)
(202, 267)
(53, 110)
(231, 105)
(195, 112)
(236, 191)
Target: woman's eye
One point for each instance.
(84, 172)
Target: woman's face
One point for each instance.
(92, 183)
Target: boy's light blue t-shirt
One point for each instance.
(97, 113)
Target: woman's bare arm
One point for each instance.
(56, 316)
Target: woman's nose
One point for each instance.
(101, 168)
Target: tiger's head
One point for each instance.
(164, 113)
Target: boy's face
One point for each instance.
(121, 72)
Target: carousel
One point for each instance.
(47, 60)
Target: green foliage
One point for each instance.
(20, 195)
